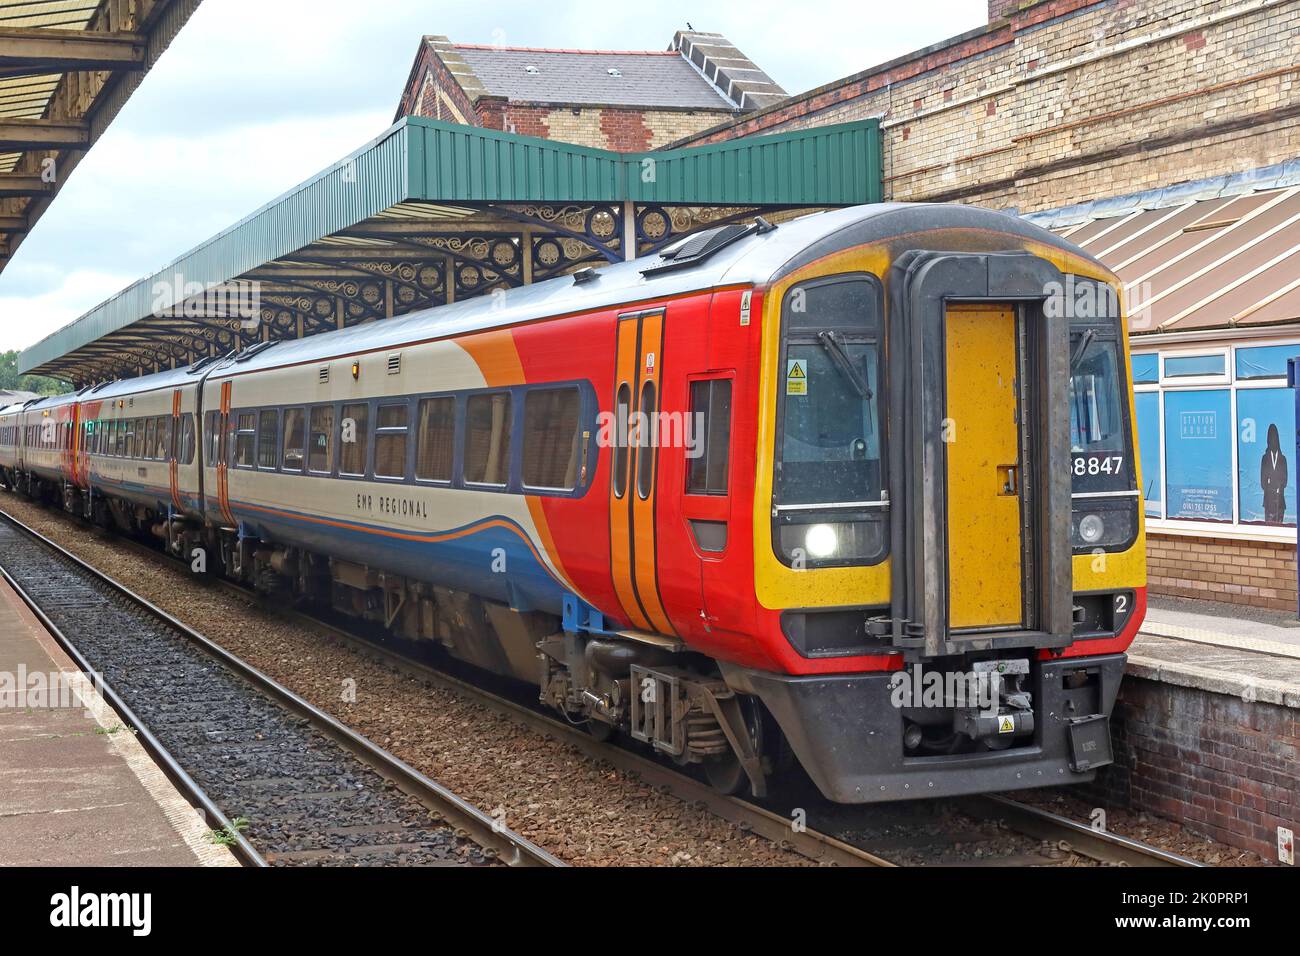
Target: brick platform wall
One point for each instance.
(1219, 569)
(1223, 767)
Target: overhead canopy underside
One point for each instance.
(66, 68)
(433, 212)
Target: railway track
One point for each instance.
(278, 780)
(841, 846)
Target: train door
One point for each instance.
(174, 452)
(633, 552)
(983, 423)
(223, 455)
(979, 453)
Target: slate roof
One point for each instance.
(582, 77)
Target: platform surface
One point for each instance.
(1220, 648)
(76, 786)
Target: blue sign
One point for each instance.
(1266, 455)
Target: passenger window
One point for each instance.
(186, 455)
(437, 436)
(163, 439)
(390, 442)
(128, 442)
(553, 443)
(214, 439)
(622, 412)
(322, 439)
(245, 435)
(150, 433)
(354, 439)
(294, 430)
(645, 462)
(487, 439)
(268, 427)
(710, 433)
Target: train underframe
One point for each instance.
(741, 727)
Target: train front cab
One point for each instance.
(953, 493)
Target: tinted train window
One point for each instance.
(294, 432)
(245, 434)
(436, 444)
(390, 441)
(268, 426)
(150, 435)
(487, 439)
(622, 411)
(321, 455)
(551, 438)
(354, 439)
(186, 454)
(645, 462)
(710, 434)
(830, 446)
(163, 442)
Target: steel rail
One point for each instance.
(1101, 845)
(509, 847)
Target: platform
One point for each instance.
(76, 786)
(1223, 648)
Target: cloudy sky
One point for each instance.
(255, 96)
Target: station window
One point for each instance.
(295, 430)
(487, 439)
(245, 437)
(390, 441)
(321, 454)
(710, 435)
(554, 438)
(268, 427)
(1216, 435)
(354, 441)
(436, 444)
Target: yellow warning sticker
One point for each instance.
(1006, 725)
(796, 377)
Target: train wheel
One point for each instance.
(726, 774)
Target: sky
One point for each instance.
(255, 96)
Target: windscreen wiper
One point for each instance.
(1085, 343)
(834, 347)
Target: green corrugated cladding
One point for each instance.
(426, 160)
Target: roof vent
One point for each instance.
(323, 374)
(585, 275)
(531, 70)
(614, 71)
(700, 246)
(395, 363)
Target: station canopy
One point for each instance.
(431, 212)
(66, 68)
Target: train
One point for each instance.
(855, 495)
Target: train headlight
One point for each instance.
(1106, 524)
(821, 541)
(1091, 528)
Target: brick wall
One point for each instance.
(1221, 766)
(1218, 569)
(1068, 100)
(604, 127)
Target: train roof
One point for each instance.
(755, 259)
